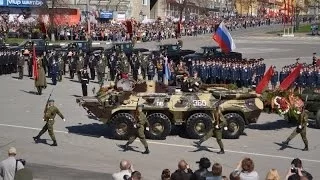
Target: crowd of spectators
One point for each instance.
(245, 170)
(116, 31)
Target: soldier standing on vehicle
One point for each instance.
(301, 129)
(20, 65)
(84, 81)
(140, 126)
(50, 113)
(218, 125)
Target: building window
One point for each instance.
(145, 2)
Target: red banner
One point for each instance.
(286, 83)
(264, 81)
(35, 65)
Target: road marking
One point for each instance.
(183, 146)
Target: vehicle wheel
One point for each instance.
(318, 120)
(122, 124)
(236, 126)
(198, 125)
(160, 126)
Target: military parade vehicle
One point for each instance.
(41, 46)
(174, 51)
(84, 46)
(167, 106)
(126, 47)
(211, 51)
(312, 105)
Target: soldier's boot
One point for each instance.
(286, 142)
(146, 151)
(221, 151)
(54, 143)
(306, 148)
(198, 143)
(126, 146)
(36, 138)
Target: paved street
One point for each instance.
(86, 151)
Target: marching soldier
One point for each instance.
(301, 129)
(30, 65)
(218, 125)
(61, 67)
(79, 66)
(21, 63)
(40, 80)
(50, 113)
(92, 65)
(84, 81)
(72, 64)
(140, 126)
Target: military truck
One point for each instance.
(167, 107)
(126, 47)
(312, 104)
(174, 51)
(84, 46)
(41, 46)
(211, 51)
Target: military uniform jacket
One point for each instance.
(151, 69)
(101, 67)
(193, 68)
(85, 78)
(142, 121)
(51, 113)
(274, 78)
(20, 61)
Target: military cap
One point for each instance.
(314, 53)
(51, 100)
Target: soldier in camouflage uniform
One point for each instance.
(61, 68)
(101, 69)
(49, 114)
(140, 126)
(301, 129)
(218, 125)
(20, 65)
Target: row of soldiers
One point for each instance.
(309, 76)
(8, 61)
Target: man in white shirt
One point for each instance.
(125, 169)
(8, 166)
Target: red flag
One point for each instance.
(179, 27)
(286, 83)
(264, 81)
(129, 27)
(35, 65)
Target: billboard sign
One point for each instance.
(22, 3)
(106, 14)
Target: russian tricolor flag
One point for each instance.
(223, 37)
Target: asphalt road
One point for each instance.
(86, 149)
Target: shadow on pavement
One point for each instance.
(74, 80)
(201, 148)
(15, 77)
(283, 146)
(42, 141)
(76, 96)
(41, 171)
(92, 130)
(274, 125)
(130, 148)
(30, 92)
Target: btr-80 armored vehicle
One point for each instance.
(166, 107)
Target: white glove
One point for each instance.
(147, 128)
(190, 90)
(300, 127)
(225, 128)
(197, 84)
(135, 126)
(307, 124)
(43, 119)
(64, 120)
(217, 127)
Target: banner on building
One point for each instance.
(22, 3)
(106, 15)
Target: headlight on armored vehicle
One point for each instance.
(254, 104)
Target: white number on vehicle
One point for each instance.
(199, 103)
(159, 103)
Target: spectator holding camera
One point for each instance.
(10, 166)
(246, 171)
(183, 172)
(296, 172)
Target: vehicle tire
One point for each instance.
(236, 126)
(198, 125)
(317, 125)
(122, 125)
(160, 126)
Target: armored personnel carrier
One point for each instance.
(166, 107)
